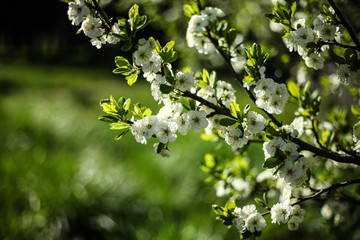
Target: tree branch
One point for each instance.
(345, 24)
(226, 58)
(102, 14)
(321, 192)
(343, 158)
(218, 110)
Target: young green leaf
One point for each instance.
(131, 79)
(227, 122)
(272, 162)
(235, 110)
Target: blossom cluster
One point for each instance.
(167, 123)
(271, 96)
(197, 25)
(248, 218)
(295, 166)
(285, 213)
(323, 31)
(302, 36)
(92, 26)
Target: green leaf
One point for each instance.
(336, 58)
(356, 111)
(127, 104)
(131, 79)
(272, 162)
(191, 9)
(279, 154)
(350, 55)
(293, 9)
(126, 47)
(248, 79)
(294, 89)
(230, 206)
(245, 235)
(260, 202)
(210, 161)
(231, 36)
(147, 112)
(169, 46)
(227, 122)
(122, 63)
(160, 147)
(251, 62)
(118, 137)
(110, 119)
(166, 89)
(110, 106)
(217, 209)
(235, 110)
(134, 14)
(119, 126)
(206, 76)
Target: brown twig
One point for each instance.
(345, 24)
(320, 192)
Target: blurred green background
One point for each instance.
(62, 175)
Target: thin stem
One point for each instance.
(338, 44)
(320, 192)
(218, 110)
(345, 24)
(102, 14)
(237, 77)
(316, 134)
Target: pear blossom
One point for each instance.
(92, 27)
(77, 11)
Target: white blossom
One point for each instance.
(239, 224)
(183, 123)
(290, 171)
(198, 23)
(213, 13)
(298, 214)
(150, 126)
(242, 187)
(265, 86)
(142, 56)
(221, 189)
(299, 125)
(327, 32)
(346, 75)
(303, 36)
(137, 132)
(197, 120)
(184, 81)
(92, 27)
(293, 225)
(235, 137)
(247, 210)
(225, 92)
(255, 222)
(280, 213)
(77, 11)
(269, 148)
(315, 61)
(255, 122)
(166, 131)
